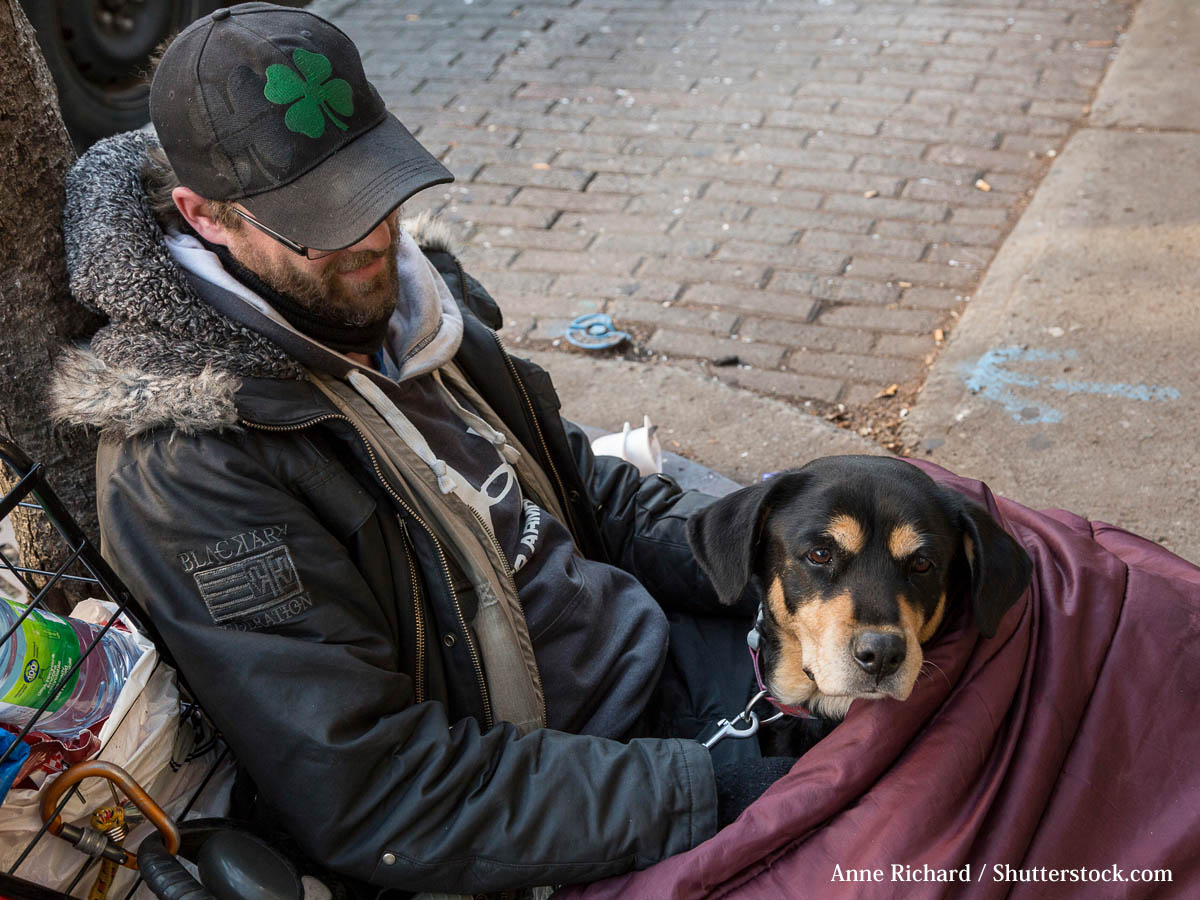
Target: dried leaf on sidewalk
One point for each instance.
(871, 193)
(939, 335)
(889, 391)
(541, 167)
(983, 185)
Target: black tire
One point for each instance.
(101, 70)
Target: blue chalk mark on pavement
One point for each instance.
(990, 377)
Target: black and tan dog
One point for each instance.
(853, 563)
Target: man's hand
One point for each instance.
(741, 783)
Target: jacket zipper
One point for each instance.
(483, 691)
(420, 619)
(508, 573)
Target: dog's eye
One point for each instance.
(820, 556)
(921, 565)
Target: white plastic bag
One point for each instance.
(10, 585)
(139, 737)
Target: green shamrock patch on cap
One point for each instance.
(313, 98)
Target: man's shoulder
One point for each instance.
(164, 451)
(169, 463)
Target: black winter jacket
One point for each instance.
(315, 620)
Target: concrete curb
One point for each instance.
(1152, 82)
(1071, 376)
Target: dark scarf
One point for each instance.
(334, 334)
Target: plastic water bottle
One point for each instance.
(36, 656)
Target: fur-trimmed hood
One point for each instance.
(166, 356)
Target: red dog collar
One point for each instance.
(798, 711)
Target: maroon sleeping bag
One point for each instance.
(1068, 742)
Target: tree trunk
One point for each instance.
(37, 314)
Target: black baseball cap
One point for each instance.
(269, 106)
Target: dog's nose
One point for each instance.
(878, 653)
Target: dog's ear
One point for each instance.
(1000, 567)
(724, 535)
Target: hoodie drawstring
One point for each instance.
(481, 427)
(400, 424)
(411, 436)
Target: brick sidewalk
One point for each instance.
(812, 186)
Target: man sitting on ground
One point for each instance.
(452, 649)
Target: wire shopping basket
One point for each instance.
(80, 563)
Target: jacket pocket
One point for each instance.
(337, 499)
(544, 623)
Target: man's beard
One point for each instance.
(328, 295)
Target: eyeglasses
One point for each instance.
(307, 252)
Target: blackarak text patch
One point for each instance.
(232, 547)
(257, 588)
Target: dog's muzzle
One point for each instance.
(753, 640)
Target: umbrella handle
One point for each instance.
(93, 842)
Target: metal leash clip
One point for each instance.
(729, 727)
